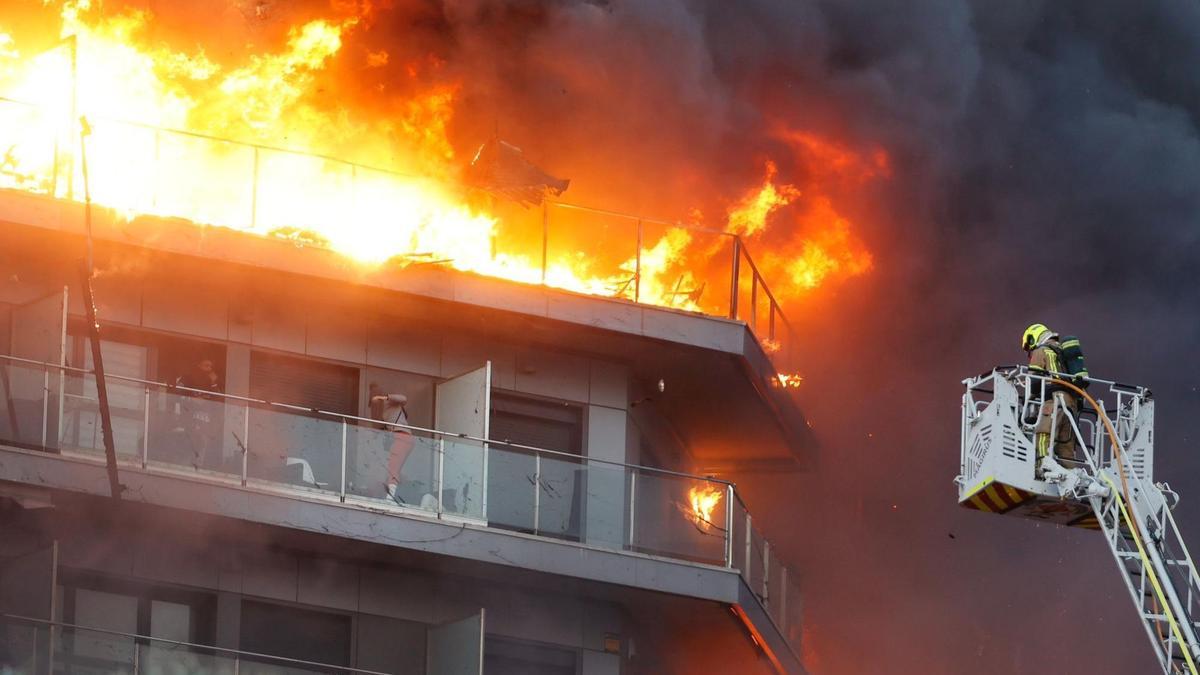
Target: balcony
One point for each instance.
(39, 646)
(295, 194)
(213, 450)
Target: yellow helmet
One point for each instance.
(1032, 335)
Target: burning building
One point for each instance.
(363, 416)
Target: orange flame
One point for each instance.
(789, 380)
(704, 500)
(158, 114)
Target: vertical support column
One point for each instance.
(441, 473)
(637, 269)
(749, 540)
(245, 442)
(342, 484)
(735, 273)
(729, 526)
(766, 585)
(537, 491)
(754, 302)
(146, 427)
(45, 404)
(632, 505)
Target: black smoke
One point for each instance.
(1045, 158)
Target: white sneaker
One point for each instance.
(391, 492)
(429, 502)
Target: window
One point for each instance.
(290, 446)
(295, 633)
(551, 504)
(94, 601)
(509, 657)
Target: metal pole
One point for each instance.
(754, 302)
(632, 505)
(729, 526)
(245, 442)
(342, 491)
(771, 329)
(146, 427)
(637, 270)
(733, 280)
(537, 491)
(749, 537)
(45, 404)
(766, 585)
(441, 473)
(783, 597)
(545, 237)
(89, 305)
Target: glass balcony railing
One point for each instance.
(364, 463)
(266, 189)
(34, 646)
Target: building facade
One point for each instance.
(405, 470)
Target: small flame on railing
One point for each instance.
(770, 345)
(789, 380)
(704, 500)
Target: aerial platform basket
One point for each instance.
(999, 457)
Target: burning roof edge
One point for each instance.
(180, 237)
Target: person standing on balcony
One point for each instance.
(1041, 344)
(199, 410)
(398, 444)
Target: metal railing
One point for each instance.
(41, 646)
(261, 187)
(354, 461)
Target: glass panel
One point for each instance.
(121, 166)
(738, 532)
(198, 432)
(301, 192)
(22, 393)
(604, 498)
(162, 658)
(22, 647)
(756, 561)
(794, 612)
(684, 268)
(378, 458)
(27, 134)
(224, 197)
(289, 447)
(591, 252)
(170, 621)
(81, 428)
(561, 484)
(517, 243)
(463, 484)
(776, 593)
(513, 488)
(666, 523)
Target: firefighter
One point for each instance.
(1041, 344)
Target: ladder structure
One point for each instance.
(1105, 483)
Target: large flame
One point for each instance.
(704, 500)
(251, 143)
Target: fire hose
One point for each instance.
(1126, 506)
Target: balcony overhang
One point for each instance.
(737, 419)
(443, 545)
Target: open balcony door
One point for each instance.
(456, 647)
(33, 395)
(28, 584)
(463, 406)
